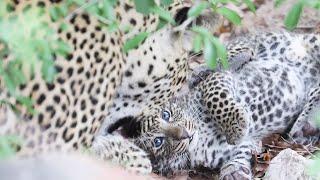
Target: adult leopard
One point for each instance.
(71, 109)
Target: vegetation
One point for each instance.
(294, 14)
(29, 40)
(17, 34)
(213, 50)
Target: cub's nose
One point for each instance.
(184, 134)
(177, 132)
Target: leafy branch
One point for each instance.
(29, 43)
(204, 40)
(213, 49)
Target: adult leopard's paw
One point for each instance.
(235, 172)
(123, 152)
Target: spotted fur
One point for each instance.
(227, 114)
(95, 75)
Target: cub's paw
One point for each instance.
(123, 152)
(235, 172)
(236, 128)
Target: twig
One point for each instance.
(274, 146)
(184, 25)
(304, 147)
(103, 20)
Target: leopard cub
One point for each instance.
(221, 120)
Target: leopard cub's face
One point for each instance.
(167, 135)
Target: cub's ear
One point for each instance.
(128, 127)
(182, 15)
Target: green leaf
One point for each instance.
(48, 71)
(144, 6)
(161, 24)
(201, 30)
(2, 70)
(3, 9)
(62, 10)
(14, 139)
(126, 28)
(221, 51)
(219, 47)
(5, 149)
(135, 41)
(210, 54)
(45, 51)
(165, 3)
(93, 10)
(113, 2)
(250, 5)
(7, 144)
(64, 26)
(17, 76)
(277, 3)
(113, 27)
(54, 13)
(197, 43)
(165, 15)
(108, 10)
(26, 8)
(63, 48)
(27, 102)
(293, 16)
(236, 2)
(230, 15)
(195, 11)
(11, 86)
(315, 5)
(10, 8)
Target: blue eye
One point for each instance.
(158, 141)
(165, 115)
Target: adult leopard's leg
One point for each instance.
(239, 166)
(123, 152)
(218, 93)
(305, 129)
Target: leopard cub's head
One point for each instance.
(166, 133)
